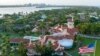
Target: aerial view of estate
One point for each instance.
(49, 27)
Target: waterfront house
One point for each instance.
(62, 35)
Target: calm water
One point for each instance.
(11, 10)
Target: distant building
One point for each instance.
(81, 15)
(1, 16)
(93, 14)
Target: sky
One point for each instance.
(53, 2)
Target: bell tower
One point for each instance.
(70, 22)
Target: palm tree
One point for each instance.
(42, 27)
(5, 46)
(22, 50)
(44, 50)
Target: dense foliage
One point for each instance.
(44, 50)
(23, 24)
(90, 28)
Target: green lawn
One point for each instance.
(97, 52)
(88, 41)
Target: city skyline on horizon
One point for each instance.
(52, 2)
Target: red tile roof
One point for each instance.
(70, 31)
(31, 46)
(25, 41)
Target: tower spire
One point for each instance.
(70, 22)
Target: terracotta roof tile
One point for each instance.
(31, 46)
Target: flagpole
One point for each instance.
(95, 47)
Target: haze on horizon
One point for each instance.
(52, 2)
